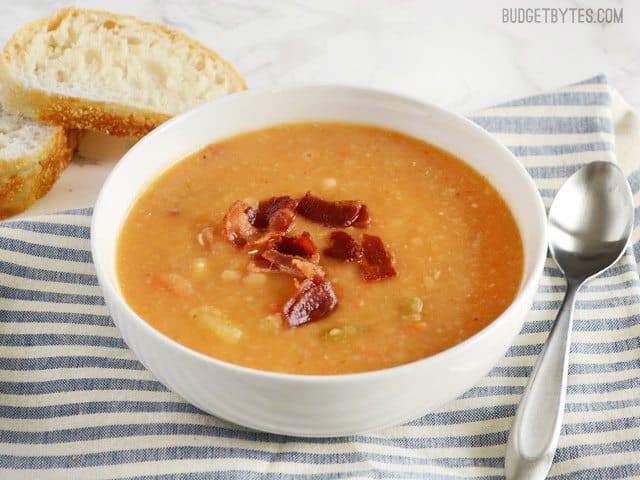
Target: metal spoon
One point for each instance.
(590, 224)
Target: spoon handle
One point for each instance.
(536, 428)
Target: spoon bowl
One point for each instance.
(590, 220)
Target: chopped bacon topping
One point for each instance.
(282, 221)
(376, 262)
(270, 214)
(301, 246)
(236, 224)
(264, 242)
(343, 213)
(291, 264)
(314, 299)
(262, 233)
(259, 229)
(259, 264)
(363, 220)
(297, 256)
(343, 247)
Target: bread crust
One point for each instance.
(78, 113)
(21, 190)
(81, 113)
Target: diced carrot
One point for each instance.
(173, 283)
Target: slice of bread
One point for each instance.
(87, 69)
(32, 157)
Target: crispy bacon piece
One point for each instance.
(259, 264)
(236, 224)
(290, 264)
(296, 256)
(295, 266)
(343, 247)
(264, 242)
(259, 229)
(343, 213)
(363, 220)
(376, 262)
(314, 299)
(276, 214)
(282, 221)
(301, 246)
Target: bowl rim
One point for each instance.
(528, 283)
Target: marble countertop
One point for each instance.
(457, 53)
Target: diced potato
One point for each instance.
(206, 238)
(417, 324)
(338, 333)
(415, 321)
(255, 279)
(230, 275)
(173, 283)
(411, 305)
(271, 323)
(199, 265)
(218, 322)
(334, 332)
(328, 183)
(350, 329)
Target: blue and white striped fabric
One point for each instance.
(75, 403)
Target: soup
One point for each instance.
(438, 255)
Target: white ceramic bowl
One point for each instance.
(316, 405)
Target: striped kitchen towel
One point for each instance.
(75, 402)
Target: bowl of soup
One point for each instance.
(318, 260)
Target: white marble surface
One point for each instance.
(455, 53)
